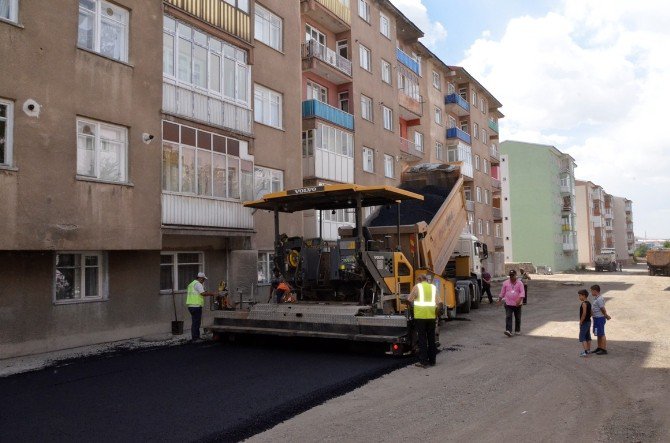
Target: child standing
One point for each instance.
(600, 316)
(584, 322)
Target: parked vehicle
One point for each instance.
(658, 261)
(606, 260)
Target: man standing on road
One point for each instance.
(486, 284)
(599, 318)
(524, 277)
(424, 299)
(512, 293)
(195, 301)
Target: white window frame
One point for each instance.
(487, 225)
(480, 230)
(13, 14)
(418, 141)
(311, 32)
(451, 88)
(487, 168)
(98, 125)
(368, 160)
(452, 122)
(268, 24)
(481, 105)
(365, 57)
(498, 230)
(438, 115)
(477, 162)
(175, 268)
(315, 91)
(384, 25)
(102, 277)
(98, 19)
(388, 118)
(478, 194)
(267, 98)
(487, 197)
(265, 265)
(440, 153)
(367, 104)
(473, 98)
(389, 166)
(364, 10)
(9, 132)
(242, 5)
(437, 80)
(272, 179)
(387, 72)
(475, 130)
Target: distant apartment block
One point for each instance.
(539, 215)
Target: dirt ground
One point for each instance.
(528, 388)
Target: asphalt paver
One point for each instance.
(204, 392)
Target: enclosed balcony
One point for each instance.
(218, 13)
(495, 183)
(325, 62)
(193, 210)
(316, 109)
(498, 243)
(494, 154)
(409, 147)
(455, 133)
(334, 15)
(569, 247)
(493, 126)
(456, 105)
(469, 205)
(408, 61)
(497, 214)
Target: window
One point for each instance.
(364, 10)
(240, 4)
(266, 181)
(465, 126)
(368, 160)
(477, 162)
(479, 227)
(317, 92)
(471, 222)
(408, 83)
(486, 166)
(386, 72)
(265, 265)
(343, 99)
(327, 138)
(268, 28)
(103, 28)
(79, 276)
(473, 100)
(487, 197)
(440, 154)
(436, 80)
(6, 125)
(478, 191)
(366, 107)
(388, 118)
(205, 64)
(268, 106)
(475, 130)
(452, 122)
(484, 137)
(389, 166)
(343, 48)
(9, 10)
(498, 230)
(438, 115)
(451, 89)
(467, 191)
(365, 58)
(313, 34)
(102, 151)
(488, 227)
(418, 141)
(179, 269)
(384, 25)
(203, 163)
(482, 105)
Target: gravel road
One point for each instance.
(527, 388)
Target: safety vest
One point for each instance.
(425, 304)
(193, 298)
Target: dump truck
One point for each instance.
(353, 288)
(658, 261)
(606, 260)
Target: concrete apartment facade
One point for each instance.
(178, 113)
(604, 221)
(538, 191)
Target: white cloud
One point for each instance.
(591, 78)
(416, 11)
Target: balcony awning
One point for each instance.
(331, 197)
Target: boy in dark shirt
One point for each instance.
(584, 322)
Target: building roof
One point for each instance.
(542, 145)
(461, 72)
(408, 30)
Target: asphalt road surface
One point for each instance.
(184, 393)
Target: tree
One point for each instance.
(666, 244)
(641, 250)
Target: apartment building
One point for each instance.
(604, 221)
(80, 99)
(539, 207)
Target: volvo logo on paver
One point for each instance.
(305, 190)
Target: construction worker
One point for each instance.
(195, 301)
(425, 305)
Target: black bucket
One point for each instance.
(177, 327)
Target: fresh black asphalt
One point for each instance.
(205, 392)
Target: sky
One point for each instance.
(590, 77)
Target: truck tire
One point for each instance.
(612, 267)
(477, 298)
(465, 307)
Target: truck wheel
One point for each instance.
(613, 267)
(465, 307)
(477, 299)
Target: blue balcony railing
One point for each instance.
(493, 125)
(407, 60)
(457, 99)
(457, 133)
(315, 108)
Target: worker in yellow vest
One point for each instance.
(195, 301)
(425, 304)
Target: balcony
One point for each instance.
(325, 62)
(408, 61)
(409, 147)
(608, 215)
(195, 105)
(566, 228)
(187, 210)
(596, 221)
(493, 126)
(498, 243)
(218, 13)
(495, 183)
(494, 154)
(455, 133)
(315, 108)
(332, 14)
(411, 104)
(569, 247)
(470, 205)
(457, 105)
(497, 214)
(566, 189)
